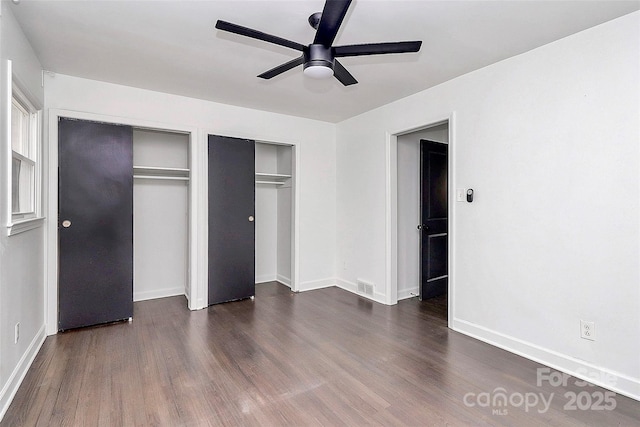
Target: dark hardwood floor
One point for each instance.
(436, 307)
(324, 357)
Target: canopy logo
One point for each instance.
(500, 400)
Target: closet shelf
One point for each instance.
(279, 177)
(269, 182)
(173, 178)
(160, 172)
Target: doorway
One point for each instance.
(416, 261)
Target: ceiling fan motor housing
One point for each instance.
(318, 55)
(318, 59)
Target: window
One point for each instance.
(25, 162)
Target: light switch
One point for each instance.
(461, 194)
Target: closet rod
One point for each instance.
(175, 178)
(270, 182)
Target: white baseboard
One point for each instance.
(284, 280)
(408, 293)
(347, 286)
(316, 284)
(353, 288)
(10, 388)
(623, 384)
(263, 278)
(157, 293)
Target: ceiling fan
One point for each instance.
(319, 58)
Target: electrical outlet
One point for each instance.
(587, 330)
(16, 335)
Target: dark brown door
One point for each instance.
(95, 223)
(231, 221)
(434, 216)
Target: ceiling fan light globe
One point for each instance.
(318, 71)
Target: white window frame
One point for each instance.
(22, 221)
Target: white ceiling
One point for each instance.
(173, 47)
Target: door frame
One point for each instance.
(295, 200)
(391, 207)
(196, 283)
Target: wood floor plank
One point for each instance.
(319, 358)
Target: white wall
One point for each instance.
(408, 158)
(21, 255)
(315, 143)
(550, 142)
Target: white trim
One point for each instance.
(195, 275)
(33, 109)
(391, 211)
(452, 176)
(294, 281)
(15, 379)
(5, 145)
(378, 297)
(408, 293)
(23, 158)
(316, 284)
(198, 222)
(391, 217)
(284, 280)
(18, 223)
(24, 225)
(264, 278)
(347, 286)
(624, 384)
(157, 293)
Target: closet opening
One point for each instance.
(163, 164)
(274, 207)
(161, 177)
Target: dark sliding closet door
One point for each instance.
(95, 223)
(231, 221)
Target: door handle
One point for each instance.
(423, 227)
(251, 218)
(66, 223)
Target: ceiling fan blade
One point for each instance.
(376, 48)
(282, 68)
(255, 34)
(342, 74)
(332, 16)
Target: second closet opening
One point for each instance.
(274, 213)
